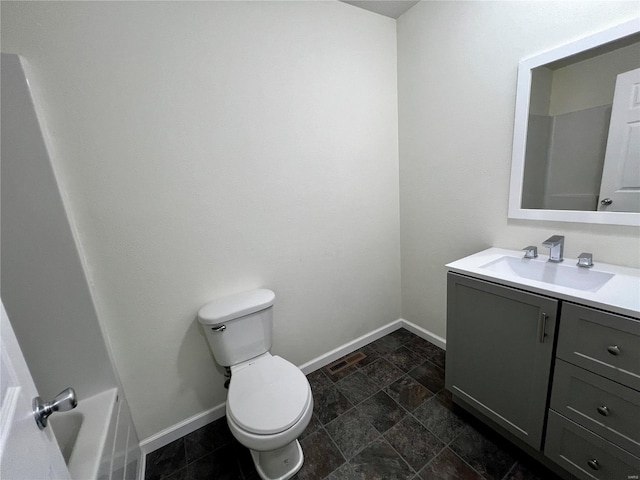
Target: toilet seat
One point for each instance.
(267, 396)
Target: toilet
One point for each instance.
(269, 402)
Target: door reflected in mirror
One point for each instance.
(577, 131)
(570, 132)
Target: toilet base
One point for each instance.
(280, 464)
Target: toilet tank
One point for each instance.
(238, 327)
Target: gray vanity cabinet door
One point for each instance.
(499, 349)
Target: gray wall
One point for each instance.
(43, 286)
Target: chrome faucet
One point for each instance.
(556, 248)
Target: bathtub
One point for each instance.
(85, 435)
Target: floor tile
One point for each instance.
(530, 470)
(439, 420)
(221, 464)
(318, 380)
(413, 442)
(429, 375)
(371, 356)
(403, 335)
(408, 392)
(321, 456)
(351, 432)
(488, 459)
(386, 344)
(375, 439)
(379, 461)
(404, 359)
(357, 387)
(182, 474)
(345, 472)
(431, 352)
(382, 372)
(382, 411)
(245, 461)
(444, 396)
(448, 466)
(166, 460)
(339, 375)
(207, 439)
(329, 403)
(314, 424)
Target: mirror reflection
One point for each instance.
(583, 133)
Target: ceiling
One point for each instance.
(388, 8)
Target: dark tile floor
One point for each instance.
(386, 417)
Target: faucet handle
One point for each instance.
(531, 251)
(585, 260)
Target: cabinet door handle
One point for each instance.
(593, 463)
(613, 349)
(542, 325)
(604, 411)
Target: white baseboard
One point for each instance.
(342, 350)
(199, 420)
(425, 334)
(179, 430)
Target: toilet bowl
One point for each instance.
(268, 407)
(269, 403)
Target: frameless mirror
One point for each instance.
(576, 144)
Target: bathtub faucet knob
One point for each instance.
(64, 401)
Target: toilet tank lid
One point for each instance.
(235, 306)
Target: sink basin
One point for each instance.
(585, 279)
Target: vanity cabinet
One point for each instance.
(593, 429)
(562, 377)
(499, 353)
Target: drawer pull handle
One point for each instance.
(613, 349)
(604, 411)
(593, 463)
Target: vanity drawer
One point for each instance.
(585, 454)
(604, 343)
(606, 408)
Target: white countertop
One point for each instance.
(620, 295)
